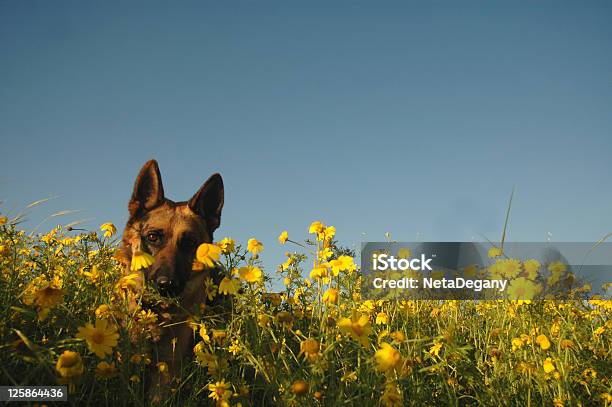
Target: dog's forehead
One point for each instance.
(175, 218)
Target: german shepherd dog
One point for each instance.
(171, 232)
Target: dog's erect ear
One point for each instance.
(148, 189)
(208, 201)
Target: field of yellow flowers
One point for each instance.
(68, 317)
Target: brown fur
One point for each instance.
(171, 232)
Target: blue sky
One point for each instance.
(415, 118)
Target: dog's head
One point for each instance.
(170, 231)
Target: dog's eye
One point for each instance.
(153, 237)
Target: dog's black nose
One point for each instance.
(165, 285)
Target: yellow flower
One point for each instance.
(387, 358)
(105, 371)
(227, 245)
(330, 296)
(318, 272)
(358, 327)
(556, 267)
(548, 365)
(44, 295)
(348, 264)
(219, 391)
(229, 286)
(530, 269)
(141, 260)
(435, 349)
(310, 348)
(250, 274)
(282, 239)
(204, 334)
(599, 331)
(382, 318)
(208, 254)
(495, 252)
(254, 246)
(543, 341)
(210, 288)
(109, 229)
(508, 268)
(299, 387)
(403, 253)
(69, 365)
(517, 343)
(103, 311)
(234, 348)
(329, 232)
(316, 227)
(3, 220)
(101, 338)
(523, 289)
(336, 266)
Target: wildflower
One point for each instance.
(229, 286)
(227, 245)
(100, 338)
(517, 343)
(598, 331)
(382, 318)
(44, 295)
(543, 341)
(109, 230)
(162, 367)
(103, 311)
(523, 289)
(141, 260)
(219, 335)
(234, 348)
(69, 365)
(299, 387)
(132, 281)
(495, 252)
(398, 336)
(566, 344)
(318, 272)
(210, 288)
(403, 253)
(3, 220)
(330, 296)
(530, 269)
(282, 239)
(387, 358)
(105, 370)
(358, 327)
(254, 246)
(250, 274)
(310, 348)
(316, 227)
(208, 254)
(435, 349)
(329, 232)
(219, 391)
(508, 268)
(548, 365)
(204, 334)
(348, 264)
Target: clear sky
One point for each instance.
(415, 118)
